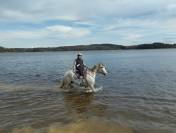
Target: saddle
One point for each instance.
(79, 76)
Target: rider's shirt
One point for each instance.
(79, 63)
(79, 66)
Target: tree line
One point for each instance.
(90, 47)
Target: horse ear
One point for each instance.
(101, 64)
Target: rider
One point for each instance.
(79, 66)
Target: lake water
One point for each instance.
(138, 96)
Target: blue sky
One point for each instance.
(48, 23)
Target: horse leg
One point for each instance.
(83, 82)
(66, 83)
(71, 84)
(62, 84)
(86, 83)
(90, 87)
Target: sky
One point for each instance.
(50, 23)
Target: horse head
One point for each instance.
(101, 69)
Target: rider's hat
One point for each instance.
(79, 54)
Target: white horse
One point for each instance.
(90, 75)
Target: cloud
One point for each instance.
(50, 31)
(54, 21)
(66, 31)
(47, 34)
(80, 10)
(133, 37)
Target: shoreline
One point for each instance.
(91, 47)
(83, 50)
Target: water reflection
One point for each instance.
(79, 102)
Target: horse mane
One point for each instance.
(94, 68)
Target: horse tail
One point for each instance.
(62, 84)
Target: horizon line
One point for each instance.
(86, 45)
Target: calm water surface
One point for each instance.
(138, 96)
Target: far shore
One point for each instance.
(91, 47)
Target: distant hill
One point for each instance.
(2, 49)
(90, 47)
(155, 45)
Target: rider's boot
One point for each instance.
(82, 82)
